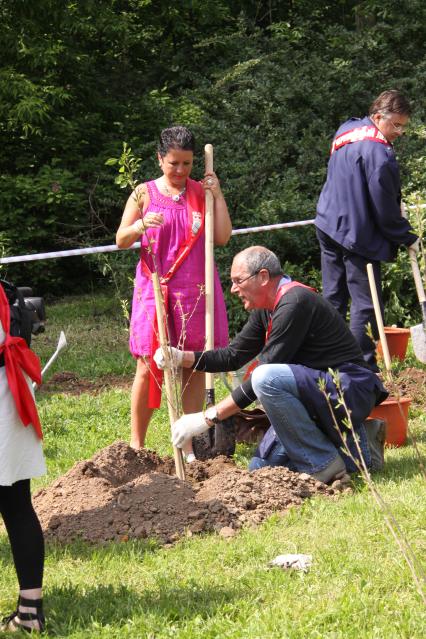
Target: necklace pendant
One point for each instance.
(176, 196)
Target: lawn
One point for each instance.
(359, 586)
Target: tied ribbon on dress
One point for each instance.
(370, 133)
(282, 290)
(195, 207)
(19, 357)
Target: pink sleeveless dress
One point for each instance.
(186, 299)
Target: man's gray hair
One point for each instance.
(389, 102)
(257, 258)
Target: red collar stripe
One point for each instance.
(360, 134)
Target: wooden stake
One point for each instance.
(168, 377)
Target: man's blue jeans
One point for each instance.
(307, 448)
(277, 456)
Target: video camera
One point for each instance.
(27, 313)
(35, 306)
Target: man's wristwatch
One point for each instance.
(211, 416)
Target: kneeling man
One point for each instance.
(296, 337)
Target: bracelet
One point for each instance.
(138, 226)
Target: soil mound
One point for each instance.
(411, 382)
(121, 494)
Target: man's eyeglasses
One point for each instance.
(399, 128)
(239, 281)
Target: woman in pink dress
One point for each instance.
(168, 215)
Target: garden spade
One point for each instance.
(418, 332)
(220, 439)
(209, 266)
(203, 444)
(62, 342)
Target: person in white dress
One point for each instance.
(21, 458)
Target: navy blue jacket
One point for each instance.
(359, 205)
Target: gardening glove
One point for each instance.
(187, 427)
(174, 360)
(415, 246)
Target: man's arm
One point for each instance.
(243, 348)
(383, 186)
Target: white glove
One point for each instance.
(187, 427)
(415, 246)
(174, 360)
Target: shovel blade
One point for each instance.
(418, 339)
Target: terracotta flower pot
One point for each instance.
(390, 410)
(397, 339)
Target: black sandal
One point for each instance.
(9, 624)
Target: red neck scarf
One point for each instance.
(18, 357)
(282, 290)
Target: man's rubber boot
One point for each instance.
(376, 435)
(335, 470)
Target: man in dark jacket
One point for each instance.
(297, 337)
(359, 212)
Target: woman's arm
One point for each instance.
(128, 232)
(222, 221)
(132, 224)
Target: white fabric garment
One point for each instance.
(21, 453)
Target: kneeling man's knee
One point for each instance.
(259, 377)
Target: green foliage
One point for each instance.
(267, 83)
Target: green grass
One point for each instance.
(96, 334)
(206, 587)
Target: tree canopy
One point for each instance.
(266, 82)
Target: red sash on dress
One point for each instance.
(195, 206)
(18, 357)
(365, 132)
(282, 290)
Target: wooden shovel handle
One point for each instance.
(379, 319)
(417, 276)
(209, 273)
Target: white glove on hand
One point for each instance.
(175, 358)
(415, 246)
(187, 427)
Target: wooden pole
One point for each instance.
(209, 265)
(168, 375)
(379, 318)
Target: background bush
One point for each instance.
(267, 83)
